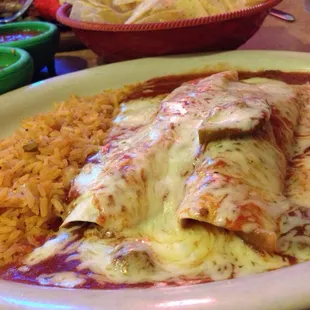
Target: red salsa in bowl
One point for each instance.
(39, 39)
(12, 36)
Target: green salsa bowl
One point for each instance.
(42, 45)
(16, 68)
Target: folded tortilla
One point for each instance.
(238, 184)
(116, 188)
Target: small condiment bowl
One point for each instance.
(41, 47)
(16, 68)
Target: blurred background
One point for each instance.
(72, 55)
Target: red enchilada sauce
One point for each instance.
(12, 36)
(59, 263)
(166, 84)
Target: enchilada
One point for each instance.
(123, 224)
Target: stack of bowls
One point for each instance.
(26, 45)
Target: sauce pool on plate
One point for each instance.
(12, 36)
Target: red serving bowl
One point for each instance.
(116, 42)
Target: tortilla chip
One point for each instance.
(234, 5)
(214, 7)
(126, 5)
(253, 2)
(187, 8)
(86, 11)
(162, 17)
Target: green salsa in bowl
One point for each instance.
(39, 39)
(16, 68)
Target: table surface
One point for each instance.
(275, 34)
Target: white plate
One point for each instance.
(287, 288)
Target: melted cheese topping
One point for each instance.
(133, 152)
(145, 242)
(298, 187)
(236, 174)
(286, 103)
(238, 183)
(118, 191)
(295, 224)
